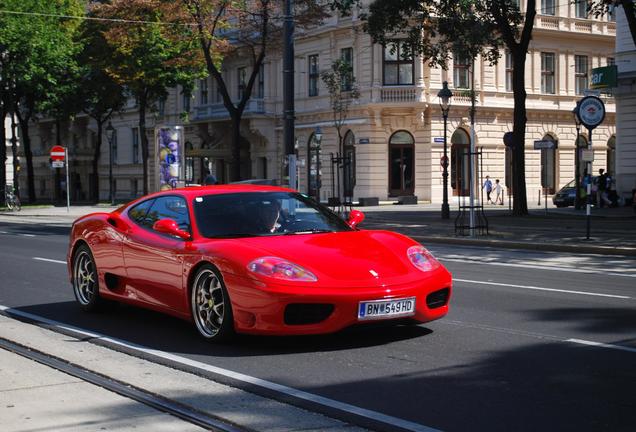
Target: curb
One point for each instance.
(504, 244)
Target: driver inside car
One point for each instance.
(268, 216)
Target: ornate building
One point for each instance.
(392, 134)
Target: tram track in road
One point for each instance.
(126, 390)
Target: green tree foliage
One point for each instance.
(37, 60)
(248, 30)
(437, 28)
(97, 93)
(153, 48)
(602, 7)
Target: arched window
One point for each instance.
(459, 175)
(548, 165)
(611, 155)
(349, 175)
(401, 164)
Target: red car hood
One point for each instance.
(357, 258)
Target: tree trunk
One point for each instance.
(520, 205)
(3, 156)
(26, 144)
(96, 155)
(236, 147)
(144, 139)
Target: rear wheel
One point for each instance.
(210, 305)
(85, 282)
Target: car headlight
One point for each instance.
(279, 268)
(422, 258)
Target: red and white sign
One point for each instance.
(58, 153)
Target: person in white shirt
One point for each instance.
(498, 193)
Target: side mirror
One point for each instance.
(169, 226)
(355, 217)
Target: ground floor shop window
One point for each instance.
(401, 164)
(548, 166)
(460, 168)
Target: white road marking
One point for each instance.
(49, 260)
(601, 345)
(536, 335)
(28, 235)
(535, 266)
(4, 232)
(289, 391)
(530, 287)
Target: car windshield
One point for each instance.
(570, 185)
(250, 214)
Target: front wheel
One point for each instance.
(210, 305)
(85, 282)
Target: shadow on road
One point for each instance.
(165, 333)
(523, 385)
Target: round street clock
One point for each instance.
(591, 111)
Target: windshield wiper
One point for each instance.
(310, 231)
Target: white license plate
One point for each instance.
(378, 309)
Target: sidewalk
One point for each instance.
(613, 230)
(36, 397)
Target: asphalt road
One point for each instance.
(534, 340)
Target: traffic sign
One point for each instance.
(591, 111)
(57, 164)
(58, 153)
(438, 140)
(587, 155)
(545, 144)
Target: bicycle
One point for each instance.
(11, 199)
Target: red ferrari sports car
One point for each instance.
(252, 259)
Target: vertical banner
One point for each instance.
(169, 157)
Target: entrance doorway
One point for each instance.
(401, 164)
(460, 174)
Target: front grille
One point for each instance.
(307, 313)
(437, 298)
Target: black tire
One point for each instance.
(210, 305)
(85, 280)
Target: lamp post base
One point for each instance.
(445, 211)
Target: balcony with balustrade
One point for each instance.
(217, 111)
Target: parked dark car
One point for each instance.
(566, 196)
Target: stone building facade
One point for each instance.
(392, 134)
(625, 108)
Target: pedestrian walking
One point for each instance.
(210, 179)
(601, 188)
(488, 188)
(498, 193)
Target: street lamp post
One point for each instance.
(445, 96)
(577, 171)
(110, 134)
(317, 140)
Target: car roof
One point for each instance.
(194, 191)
